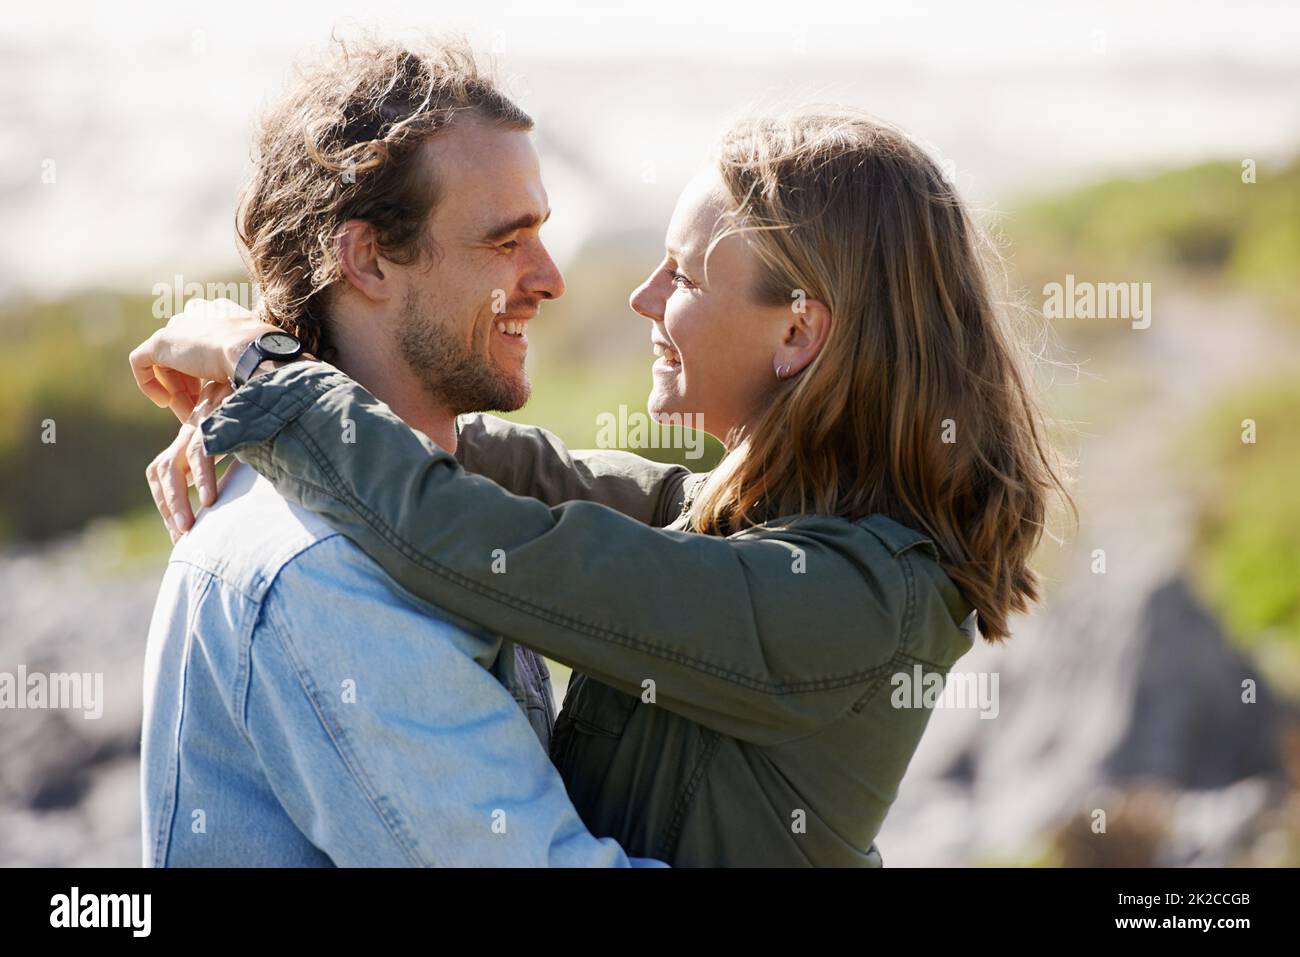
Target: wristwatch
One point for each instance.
(280, 346)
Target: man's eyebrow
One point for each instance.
(526, 221)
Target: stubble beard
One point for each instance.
(458, 377)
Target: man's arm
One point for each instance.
(399, 749)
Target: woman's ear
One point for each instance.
(360, 260)
(806, 329)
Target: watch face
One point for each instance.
(279, 343)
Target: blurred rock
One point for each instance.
(1188, 723)
(69, 785)
(1106, 705)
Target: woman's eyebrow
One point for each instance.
(526, 221)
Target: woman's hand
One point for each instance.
(184, 462)
(200, 344)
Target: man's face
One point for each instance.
(463, 322)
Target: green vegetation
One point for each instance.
(1201, 222)
(64, 376)
(1247, 564)
(567, 399)
(128, 542)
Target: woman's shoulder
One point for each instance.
(944, 623)
(879, 532)
(896, 537)
(903, 566)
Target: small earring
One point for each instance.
(783, 370)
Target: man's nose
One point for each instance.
(544, 278)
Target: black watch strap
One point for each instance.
(256, 353)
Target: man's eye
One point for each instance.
(512, 244)
(679, 279)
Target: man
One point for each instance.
(300, 708)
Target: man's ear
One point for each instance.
(806, 331)
(361, 261)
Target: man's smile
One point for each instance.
(512, 327)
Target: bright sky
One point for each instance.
(145, 110)
(955, 33)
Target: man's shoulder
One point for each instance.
(253, 540)
(252, 533)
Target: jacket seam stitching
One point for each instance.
(879, 682)
(391, 823)
(244, 673)
(909, 610)
(933, 665)
(218, 569)
(672, 834)
(162, 852)
(899, 658)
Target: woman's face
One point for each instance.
(715, 345)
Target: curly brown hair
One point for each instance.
(344, 143)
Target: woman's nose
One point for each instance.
(647, 300)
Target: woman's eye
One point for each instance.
(679, 280)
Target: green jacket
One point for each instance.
(737, 705)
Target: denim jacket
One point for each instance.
(301, 709)
(736, 708)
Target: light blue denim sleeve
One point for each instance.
(385, 739)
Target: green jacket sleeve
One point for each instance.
(527, 460)
(767, 635)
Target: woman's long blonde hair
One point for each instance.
(920, 405)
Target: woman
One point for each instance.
(825, 308)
